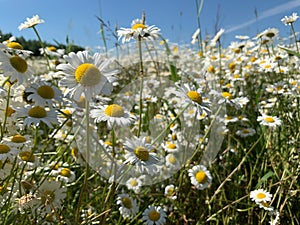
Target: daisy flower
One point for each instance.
(51, 195)
(52, 51)
(43, 93)
(7, 151)
(134, 184)
(154, 215)
(140, 155)
(138, 30)
(128, 206)
(171, 146)
(195, 97)
(15, 67)
(216, 38)
(86, 75)
(37, 114)
(270, 121)
(172, 161)
(200, 177)
(245, 132)
(114, 114)
(260, 195)
(31, 22)
(18, 141)
(195, 36)
(288, 20)
(64, 174)
(170, 191)
(28, 159)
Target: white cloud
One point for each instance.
(265, 14)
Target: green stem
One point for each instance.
(294, 33)
(141, 85)
(87, 157)
(3, 127)
(42, 45)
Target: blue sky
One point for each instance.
(177, 19)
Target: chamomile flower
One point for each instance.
(195, 36)
(36, 115)
(172, 161)
(170, 191)
(245, 132)
(140, 155)
(135, 184)
(200, 177)
(31, 22)
(51, 194)
(288, 20)
(43, 94)
(154, 215)
(270, 121)
(86, 75)
(114, 114)
(7, 151)
(194, 97)
(15, 67)
(128, 206)
(260, 195)
(65, 175)
(18, 141)
(52, 51)
(171, 146)
(138, 30)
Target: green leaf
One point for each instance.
(290, 51)
(264, 178)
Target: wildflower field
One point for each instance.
(151, 132)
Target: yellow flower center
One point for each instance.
(4, 148)
(261, 195)
(66, 172)
(172, 159)
(211, 69)
(236, 76)
(27, 156)
(269, 119)
(3, 190)
(46, 92)
(18, 138)
(195, 96)
(171, 145)
(227, 95)
(126, 202)
(133, 183)
(171, 191)
(87, 74)
(142, 153)
(231, 66)
(14, 45)
(10, 111)
(18, 63)
(37, 112)
(52, 49)
(201, 177)
(114, 110)
(246, 131)
(137, 26)
(108, 143)
(154, 215)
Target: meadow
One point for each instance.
(151, 132)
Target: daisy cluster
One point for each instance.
(136, 134)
